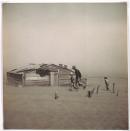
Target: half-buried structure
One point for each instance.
(44, 74)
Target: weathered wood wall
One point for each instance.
(32, 78)
(14, 79)
(64, 77)
(61, 77)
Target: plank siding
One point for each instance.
(58, 76)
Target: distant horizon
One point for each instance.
(91, 36)
(70, 67)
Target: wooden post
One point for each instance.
(89, 94)
(98, 88)
(117, 93)
(56, 96)
(23, 79)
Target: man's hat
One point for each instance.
(73, 67)
(105, 77)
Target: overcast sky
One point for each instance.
(91, 36)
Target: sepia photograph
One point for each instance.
(65, 66)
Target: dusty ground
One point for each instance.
(35, 107)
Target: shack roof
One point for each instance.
(54, 67)
(26, 68)
(32, 67)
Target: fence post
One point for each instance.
(89, 94)
(98, 88)
(56, 95)
(117, 93)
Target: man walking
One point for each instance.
(78, 76)
(106, 83)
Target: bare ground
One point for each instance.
(34, 107)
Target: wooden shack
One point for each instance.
(44, 75)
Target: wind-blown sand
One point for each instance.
(34, 107)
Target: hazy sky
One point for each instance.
(91, 36)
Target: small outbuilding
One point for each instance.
(44, 74)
